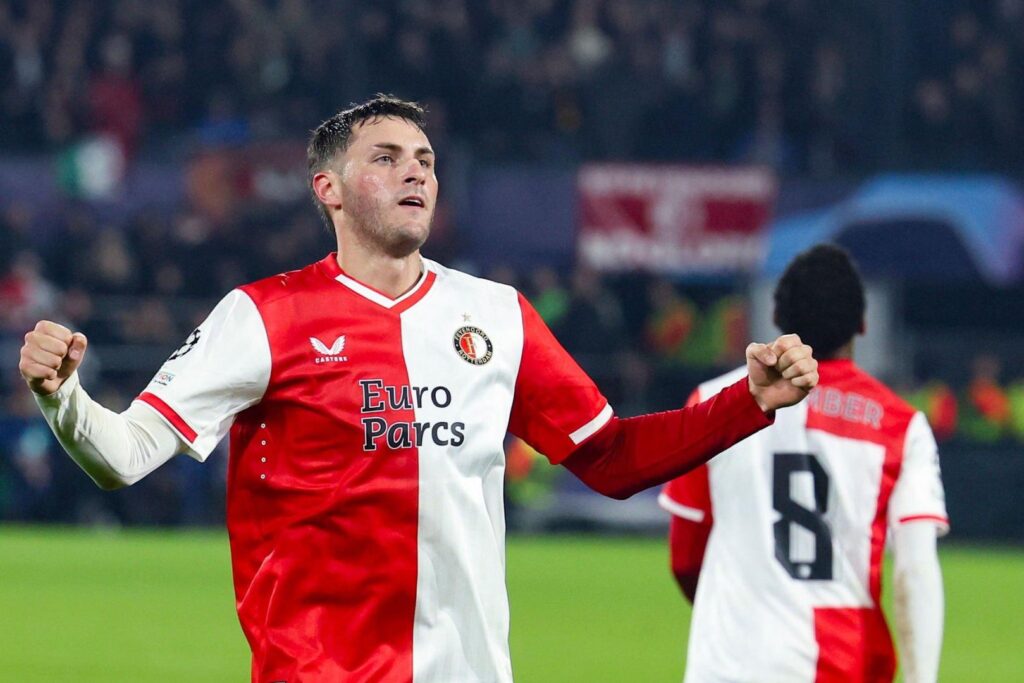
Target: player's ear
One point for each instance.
(327, 188)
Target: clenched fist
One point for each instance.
(50, 355)
(781, 373)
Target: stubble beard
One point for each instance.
(370, 227)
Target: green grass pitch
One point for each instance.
(145, 607)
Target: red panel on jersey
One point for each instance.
(554, 397)
(854, 646)
(324, 531)
(169, 414)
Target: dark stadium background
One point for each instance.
(152, 151)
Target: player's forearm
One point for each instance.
(114, 449)
(632, 454)
(918, 602)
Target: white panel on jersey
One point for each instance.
(460, 633)
(222, 368)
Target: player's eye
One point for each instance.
(426, 163)
(386, 158)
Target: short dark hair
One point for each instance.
(334, 135)
(821, 298)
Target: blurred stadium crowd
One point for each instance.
(814, 89)
(803, 86)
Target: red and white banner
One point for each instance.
(674, 219)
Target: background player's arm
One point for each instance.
(687, 499)
(687, 541)
(918, 600)
(917, 511)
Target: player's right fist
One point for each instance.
(50, 355)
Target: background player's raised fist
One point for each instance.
(781, 373)
(50, 355)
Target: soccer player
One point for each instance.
(786, 529)
(367, 396)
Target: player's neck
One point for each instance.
(387, 274)
(844, 352)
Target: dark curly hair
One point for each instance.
(821, 298)
(334, 135)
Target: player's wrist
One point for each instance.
(55, 394)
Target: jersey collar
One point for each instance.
(405, 301)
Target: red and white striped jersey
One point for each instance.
(790, 584)
(365, 483)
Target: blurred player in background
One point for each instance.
(367, 397)
(786, 530)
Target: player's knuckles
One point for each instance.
(807, 381)
(46, 341)
(44, 357)
(804, 366)
(786, 342)
(794, 356)
(53, 345)
(53, 329)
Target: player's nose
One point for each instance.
(414, 173)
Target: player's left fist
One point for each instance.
(781, 373)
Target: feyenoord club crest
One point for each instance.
(473, 345)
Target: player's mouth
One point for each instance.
(414, 201)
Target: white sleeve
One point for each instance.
(919, 495)
(918, 601)
(114, 449)
(222, 368)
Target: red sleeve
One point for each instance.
(556, 405)
(686, 543)
(630, 455)
(688, 496)
(688, 499)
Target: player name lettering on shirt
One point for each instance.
(848, 406)
(379, 397)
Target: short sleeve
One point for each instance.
(222, 368)
(919, 495)
(556, 406)
(689, 496)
